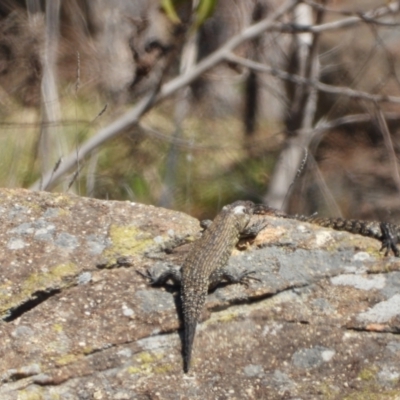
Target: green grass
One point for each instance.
(210, 167)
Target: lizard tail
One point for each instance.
(190, 330)
(192, 303)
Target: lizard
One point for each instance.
(204, 266)
(387, 233)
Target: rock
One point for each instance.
(78, 322)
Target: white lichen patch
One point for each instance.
(126, 311)
(16, 244)
(360, 282)
(327, 355)
(361, 256)
(383, 311)
(323, 237)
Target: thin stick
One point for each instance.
(323, 87)
(389, 147)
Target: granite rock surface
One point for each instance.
(78, 321)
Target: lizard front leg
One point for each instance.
(159, 279)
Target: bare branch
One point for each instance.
(352, 119)
(320, 7)
(78, 72)
(323, 87)
(370, 17)
(323, 187)
(51, 142)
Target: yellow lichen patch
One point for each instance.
(64, 200)
(58, 328)
(374, 393)
(63, 212)
(333, 247)
(4, 289)
(327, 391)
(163, 369)
(146, 358)
(127, 241)
(52, 278)
(67, 359)
(134, 370)
(31, 206)
(87, 350)
(38, 281)
(191, 239)
(35, 394)
(367, 374)
(148, 361)
(226, 317)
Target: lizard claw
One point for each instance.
(157, 278)
(146, 275)
(245, 277)
(389, 241)
(254, 229)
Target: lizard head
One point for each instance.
(241, 211)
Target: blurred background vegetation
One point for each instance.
(70, 68)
